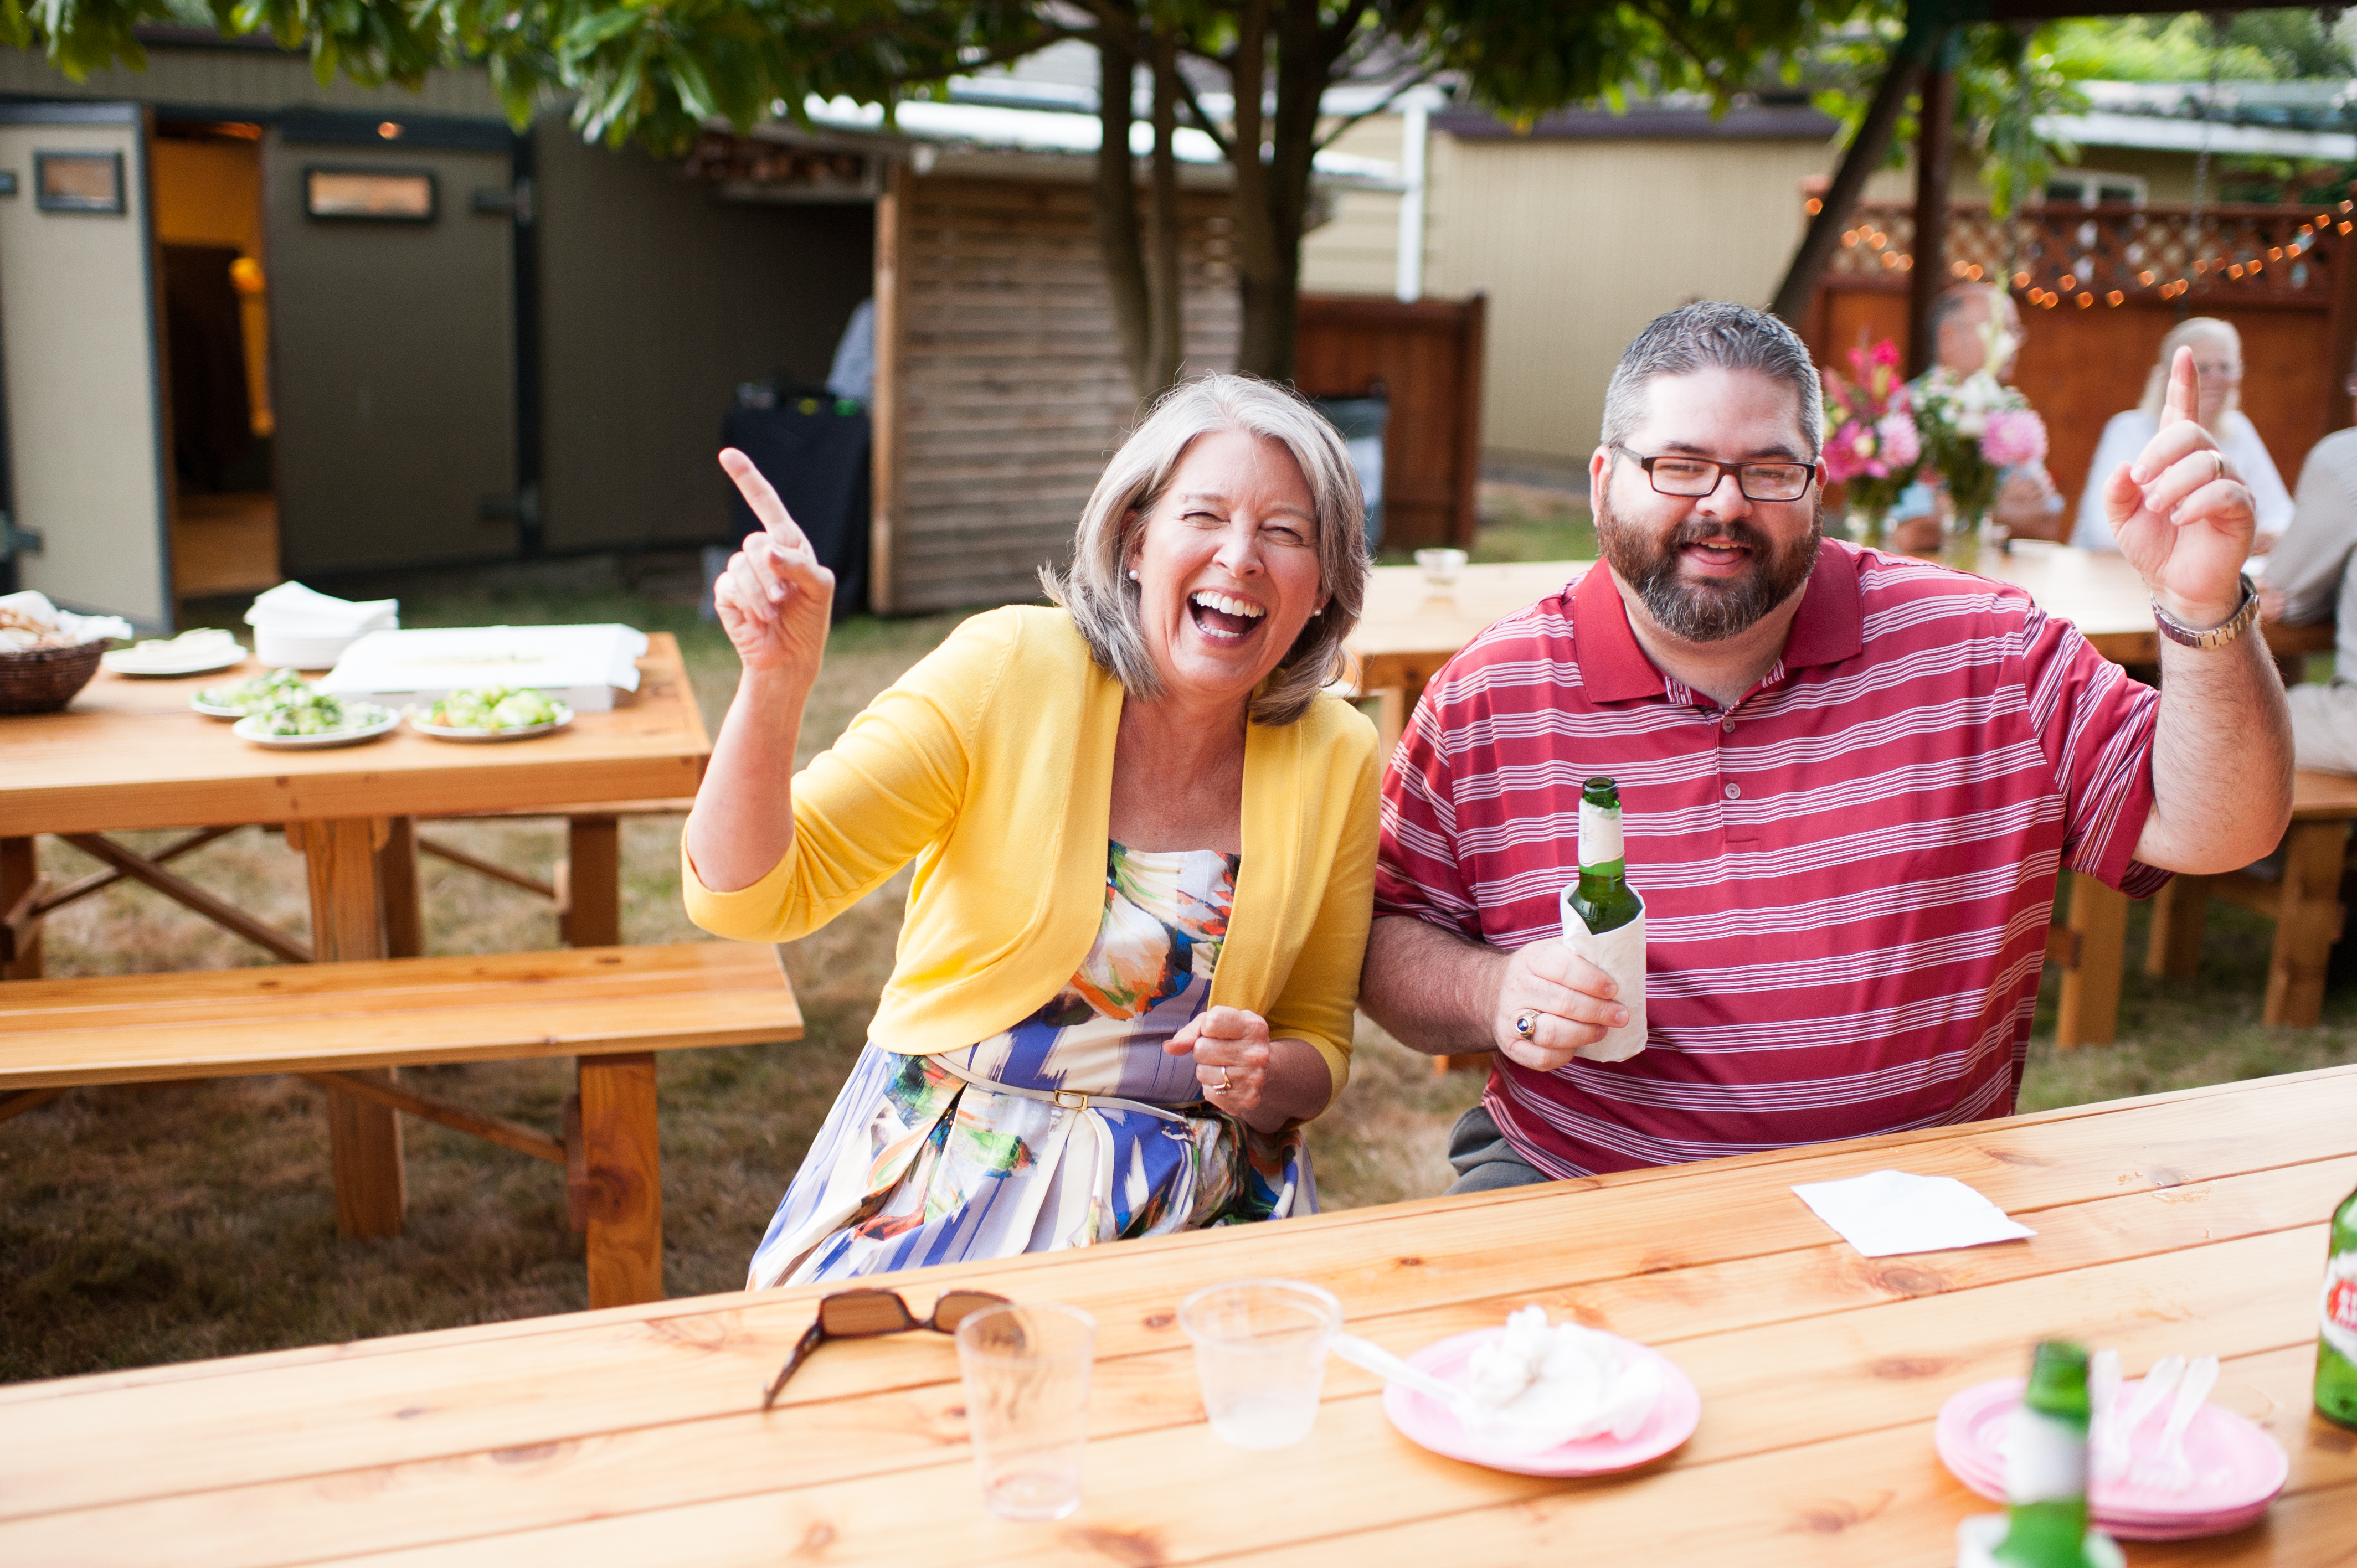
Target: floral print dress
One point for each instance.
(931, 1159)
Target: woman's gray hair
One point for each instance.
(2184, 335)
(1096, 588)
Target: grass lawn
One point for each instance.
(159, 1223)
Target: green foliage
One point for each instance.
(2259, 45)
(1522, 59)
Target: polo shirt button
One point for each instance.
(1727, 723)
(1733, 792)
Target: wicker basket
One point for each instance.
(43, 680)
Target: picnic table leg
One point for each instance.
(2180, 910)
(2089, 1010)
(19, 869)
(592, 917)
(1391, 720)
(2307, 922)
(347, 926)
(404, 920)
(623, 1173)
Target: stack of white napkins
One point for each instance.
(580, 666)
(298, 627)
(1884, 1213)
(1543, 1385)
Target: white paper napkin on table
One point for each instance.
(1887, 1212)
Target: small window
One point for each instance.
(78, 182)
(2087, 187)
(385, 196)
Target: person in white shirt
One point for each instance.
(2308, 580)
(2218, 361)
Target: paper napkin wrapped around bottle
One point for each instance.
(1621, 953)
(1884, 1213)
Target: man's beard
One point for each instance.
(1714, 609)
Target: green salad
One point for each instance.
(253, 696)
(316, 712)
(494, 708)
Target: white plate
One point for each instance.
(127, 661)
(249, 729)
(520, 732)
(210, 712)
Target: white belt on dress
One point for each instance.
(1069, 1099)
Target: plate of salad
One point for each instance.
(491, 712)
(246, 697)
(314, 719)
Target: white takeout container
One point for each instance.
(300, 627)
(579, 666)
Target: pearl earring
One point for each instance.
(1133, 573)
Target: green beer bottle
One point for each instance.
(2336, 1348)
(1602, 897)
(2046, 1464)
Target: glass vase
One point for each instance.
(1967, 533)
(1870, 525)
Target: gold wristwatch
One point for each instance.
(2217, 635)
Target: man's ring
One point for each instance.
(1526, 1022)
(1223, 1086)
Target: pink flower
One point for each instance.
(1901, 443)
(1849, 451)
(2013, 436)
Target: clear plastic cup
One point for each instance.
(1440, 566)
(1260, 1357)
(1026, 1370)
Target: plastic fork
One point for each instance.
(2119, 1435)
(1373, 1358)
(2168, 1467)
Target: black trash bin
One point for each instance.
(814, 451)
(1361, 421)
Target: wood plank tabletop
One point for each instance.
(1409, 630)
(129, 754)
(2190, 1222)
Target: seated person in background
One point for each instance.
(2308, 580)
(1850, 781)
(2218, 361)
(2027, 505)
(1144, 839)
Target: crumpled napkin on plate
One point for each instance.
(1887, 1212)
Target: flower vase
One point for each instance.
(1868, 525)
(1967, 532)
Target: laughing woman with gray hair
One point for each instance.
(1145, 843)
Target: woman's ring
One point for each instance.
(1526, 1022)
(2221, 456)
(1223, 1086)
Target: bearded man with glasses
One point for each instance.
(1850, 783)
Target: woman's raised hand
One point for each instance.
(1231, 1047)
(775, 599)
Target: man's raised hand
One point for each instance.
(775, 598)
(2182, 518)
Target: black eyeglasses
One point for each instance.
(1678, 475)
(866, 1313)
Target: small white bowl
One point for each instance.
(1440, 566)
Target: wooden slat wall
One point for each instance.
(1428, 356)
(1009, 393)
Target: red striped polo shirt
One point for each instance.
(1848, 876)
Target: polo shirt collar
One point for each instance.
(1827, 628)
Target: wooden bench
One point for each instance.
(2304, 902)
(346, 1026)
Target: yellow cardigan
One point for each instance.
(991, 764)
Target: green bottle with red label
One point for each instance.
(2336, 1346)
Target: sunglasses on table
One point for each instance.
(866, 1314)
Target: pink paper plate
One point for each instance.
(1426, 1422)
(2237, 1469)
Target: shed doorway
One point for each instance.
(214, 282)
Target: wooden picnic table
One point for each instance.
(1409, 630)
(128, 754)
(2186, 1223)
